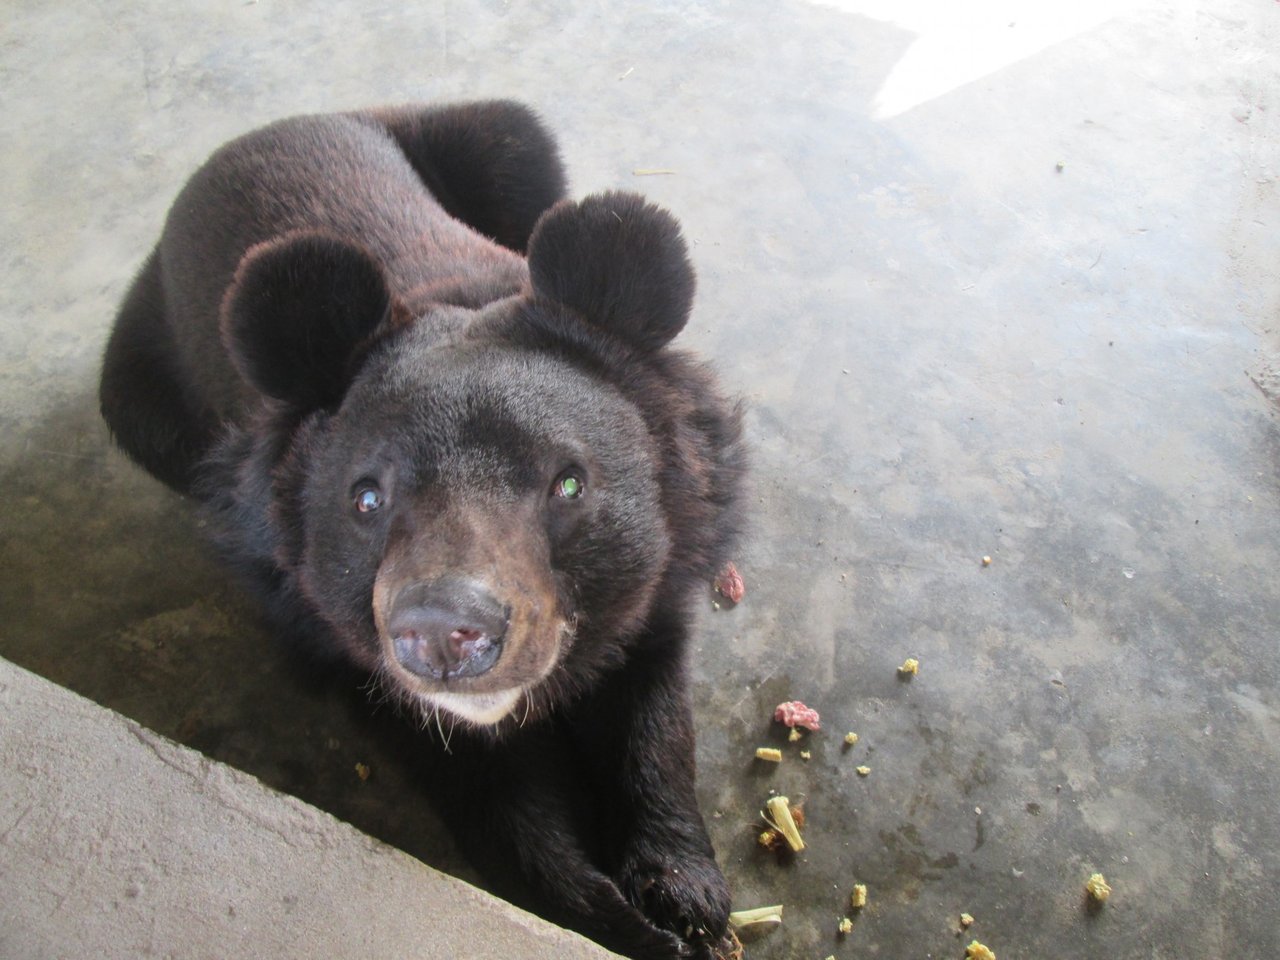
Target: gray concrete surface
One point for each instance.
(117, 842)
(994, 279)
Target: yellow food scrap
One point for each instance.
(851, 738)
(846, 925)
(757, 919)
(779, 817)
(863, 771)
(805, 755)
(795, 734)
(966, 921)
(977, 951)
(1098, 887)
(769, 753)
(986, 561)
(362, 771)
(859, 897)
(910, 667)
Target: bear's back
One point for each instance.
(340, 175)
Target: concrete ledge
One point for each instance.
(115, 842)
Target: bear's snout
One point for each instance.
(466, 608)
(447, 629)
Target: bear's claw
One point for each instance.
(690, 900)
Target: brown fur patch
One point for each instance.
(503, 553)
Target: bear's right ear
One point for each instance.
(298, 313)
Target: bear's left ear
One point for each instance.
(620, 262)
(298, 314)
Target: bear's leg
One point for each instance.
(141, 395)
(523, 808)
(491, 164)
(637, 728)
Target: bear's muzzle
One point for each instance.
(466, 608)
(447, 629)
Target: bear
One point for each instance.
(430, 411)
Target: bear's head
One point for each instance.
(484, 506)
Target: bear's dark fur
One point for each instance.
(430, 408)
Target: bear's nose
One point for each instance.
(447, 629)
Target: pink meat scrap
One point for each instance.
(795, 714)
(729, 584)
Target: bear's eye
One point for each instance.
(569, 486)
(368, 498)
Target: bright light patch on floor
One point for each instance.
(959, 42)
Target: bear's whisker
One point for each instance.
(440, 726)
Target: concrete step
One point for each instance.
(116, 842)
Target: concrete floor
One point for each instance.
(1002, 283)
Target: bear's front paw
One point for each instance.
(680, 891)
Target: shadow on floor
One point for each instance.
(111, 591)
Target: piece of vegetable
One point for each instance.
(772, 754)
(978, 951)
(779, 817)
(744, 918)
(858, 899)
(753, 924)
(771, 838)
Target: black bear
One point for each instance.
(430, 409)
